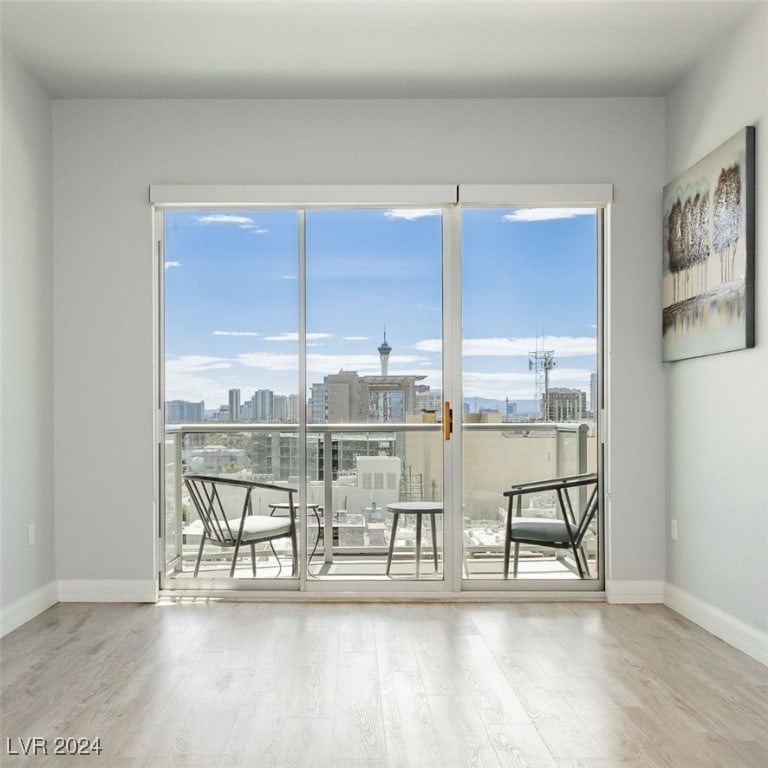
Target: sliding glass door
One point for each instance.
(231, 386)
(529, 377)
(374, 386)
(303, 350)
(360, 385)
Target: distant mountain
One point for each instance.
(476, 404)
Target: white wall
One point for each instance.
(26, 465)
(717, 407)
(107, 152)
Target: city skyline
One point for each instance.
(231, 298)
(180, 410)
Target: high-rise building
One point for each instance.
(563, 404)
(183, 411)
(429, 399)
(280, 408)
(318, 404)
(263, 403)
(346, 397)
(343, 398)
(293, 408)
(593, 394)
(234, 404)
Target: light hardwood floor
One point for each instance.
(218, 685)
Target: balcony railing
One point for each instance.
(355, 470)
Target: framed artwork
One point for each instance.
(709, 253)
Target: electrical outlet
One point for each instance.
(30, 535)
(673, 529)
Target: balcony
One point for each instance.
(354, 472)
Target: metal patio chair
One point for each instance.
(225, 508)
(565, 533)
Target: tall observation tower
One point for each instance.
(384, 351)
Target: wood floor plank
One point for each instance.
(642, 762)
(298, 742)
(437, 661)
(617, 735)
(356, 628)
(394, 646)
(143, 720)
(520, 745)
(562, 727)
(463, 739)
(296, 668)
(410, 734)
(255, 736)
(494, 697)
(359, 720)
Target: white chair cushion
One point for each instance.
(259, 527)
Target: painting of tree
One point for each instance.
(708, 241)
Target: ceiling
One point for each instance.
(363, 48)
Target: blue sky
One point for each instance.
(231, 297)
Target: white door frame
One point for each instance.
(450, 198)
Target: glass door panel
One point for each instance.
(232, 401)
(374, 389)
(529, 380)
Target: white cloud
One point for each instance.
(516, 386)
(564, 346)
(185, 386)
(289, 277)
(561, 377)
(271, 361)
(411, 214)
(570, 377)
(195, 378)
(322, 365)
(363, 364)
(354, 338)
(225, 218)
(294, 336)
(520, 385)
(244, 222)
(172, 264)
(195, 364)
(235, 333)
(429, 345)
(547, 214)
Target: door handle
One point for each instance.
(447, 420)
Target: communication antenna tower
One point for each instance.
(541, 362)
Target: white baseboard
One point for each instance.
(107, 591)
(27, 607)
(733, 631)
(617, 592)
